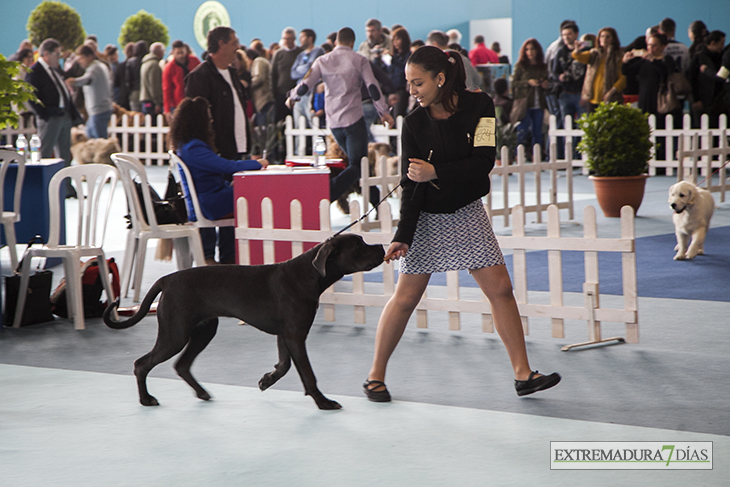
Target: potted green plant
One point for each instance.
(616, 143)
(57, 20)
(143, 26)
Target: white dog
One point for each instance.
(693, 207)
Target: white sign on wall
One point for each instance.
(209, 16)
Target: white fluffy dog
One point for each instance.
(693, 207)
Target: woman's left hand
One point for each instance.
(264, 163)
(421, 171)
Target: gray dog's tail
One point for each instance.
(144, 307)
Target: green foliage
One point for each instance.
(57, 20)
(143, 26)
(616, 140)
(507, 137)
(12, 92)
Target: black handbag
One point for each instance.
(38, 298)
(170, 210)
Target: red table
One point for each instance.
(281, 184)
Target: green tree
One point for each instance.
(57, 20)
(143, 26)
(13, 92)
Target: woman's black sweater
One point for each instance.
(464, 149)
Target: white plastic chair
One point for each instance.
(90, 181)
(185, 237)
(9, 218)
(191, 193)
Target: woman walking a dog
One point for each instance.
(449, 142)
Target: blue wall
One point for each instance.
(260, 19)
(531, 18)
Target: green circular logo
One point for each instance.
(209, 16)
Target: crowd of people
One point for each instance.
(575, 74)
(571, 76)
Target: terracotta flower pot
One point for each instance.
(614, 193)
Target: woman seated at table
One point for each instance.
(192, 138)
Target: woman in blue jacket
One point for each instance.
(192, 138)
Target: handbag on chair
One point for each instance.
(37, 307)
(169, 210)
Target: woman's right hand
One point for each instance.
(395, 251)
(264, 163)
(533, 82)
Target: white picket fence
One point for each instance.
(699, 157)
(669, 153)
(521, 168)
(141, 138)
(11, 134)
(380, 132)
(591, 312)
(137, 136)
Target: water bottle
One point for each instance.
(319, 149)
(21, 145)
(35, 149)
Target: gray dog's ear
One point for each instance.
(320, 260)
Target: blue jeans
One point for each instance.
(262, 115)
(224, 238)
(371, 115)
(569, 105)
(97, 125)
(552, 104)
(354, 141)
(533, 123)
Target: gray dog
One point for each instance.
(280, 299)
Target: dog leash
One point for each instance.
(352, 224)
(713, 173)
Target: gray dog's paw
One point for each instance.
(149, 401)
(267, 381)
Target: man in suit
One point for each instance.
(55, 110)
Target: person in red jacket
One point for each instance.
(481, 54)
(173, 76)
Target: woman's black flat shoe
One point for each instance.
(535, 384)
(376, 396)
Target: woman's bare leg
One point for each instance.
(394, 319)
(495, 283)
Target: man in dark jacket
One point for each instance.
(218, 83)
